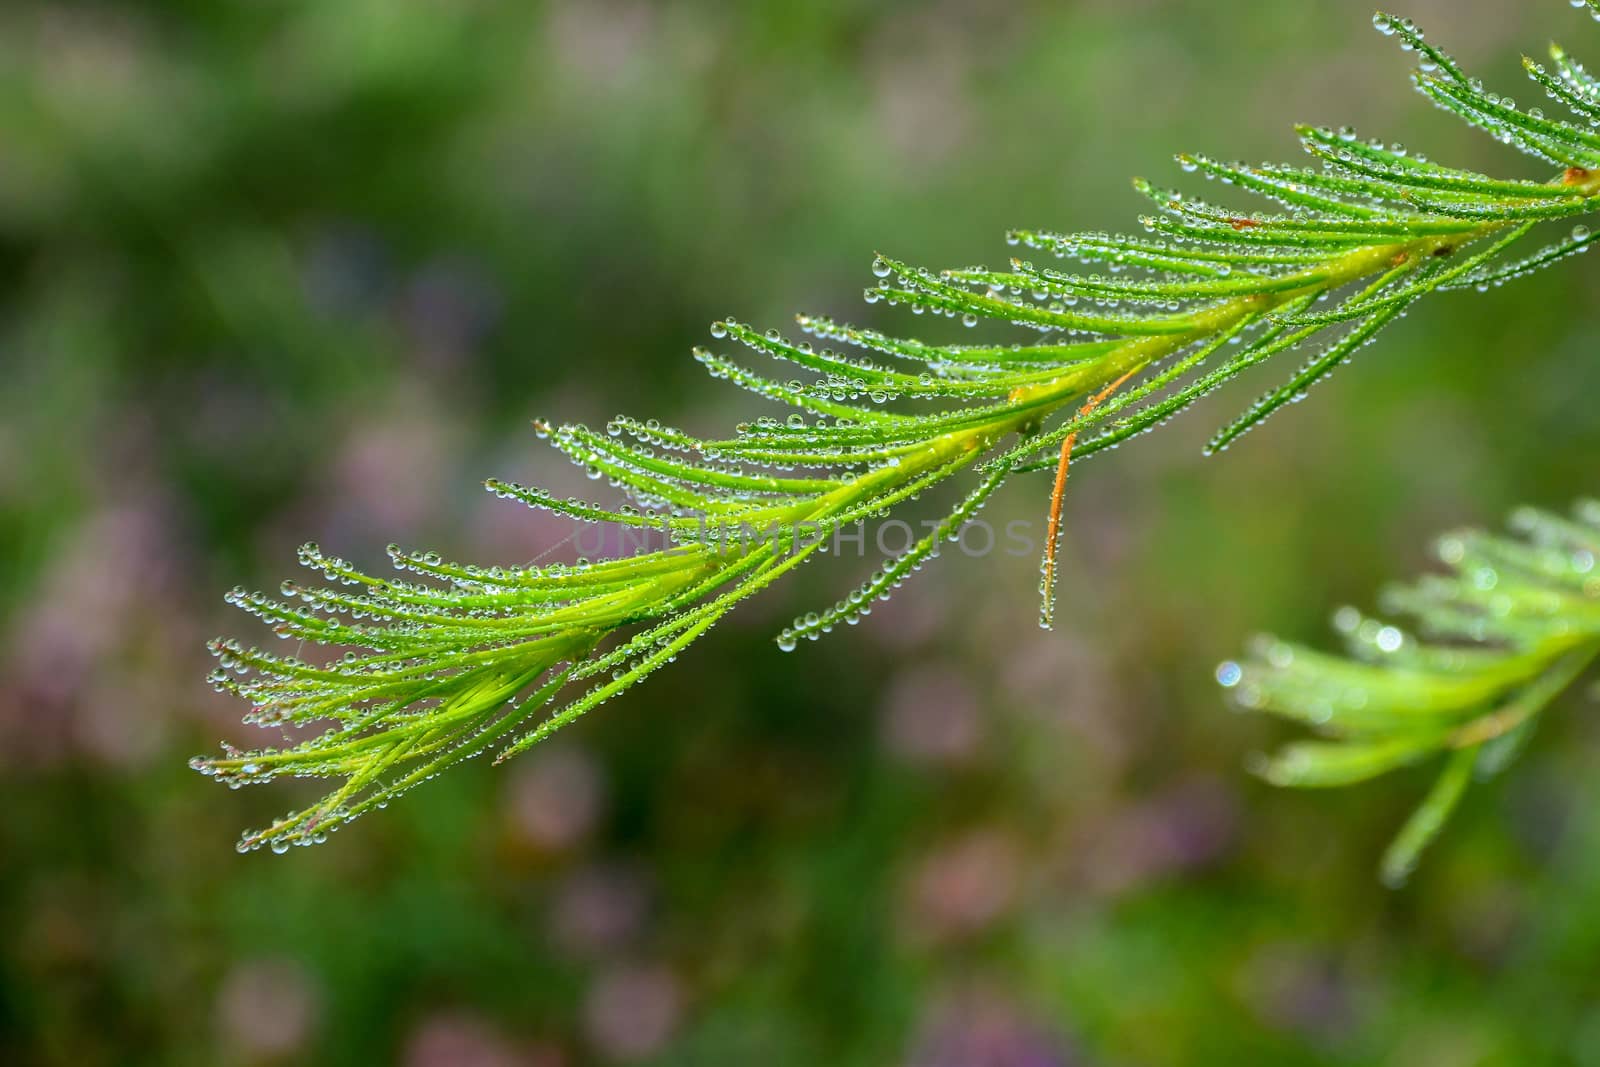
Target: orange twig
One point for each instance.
(1053, 528)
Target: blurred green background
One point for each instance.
(275, 271)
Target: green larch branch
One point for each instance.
(1514, 623)
(449, 660)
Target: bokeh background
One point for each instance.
(278, 270)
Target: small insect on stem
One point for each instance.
(1047, 585)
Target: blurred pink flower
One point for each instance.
(461, 1040)
(266, 1010)
(632, 1012)
(930, 715)
(390, 471)
(965, 884)
(1187, 827)
(599, 910)
(982, 1030)
(84, 672)
(555, 797)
